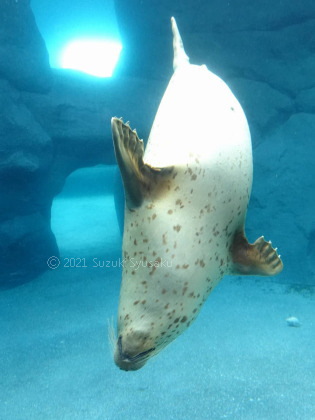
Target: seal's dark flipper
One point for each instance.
(139, 178)
(259, 258)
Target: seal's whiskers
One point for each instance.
(112, 337)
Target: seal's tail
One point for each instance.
(180, 57)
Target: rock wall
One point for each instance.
(53, 122)
(26, 148)
(24, 59)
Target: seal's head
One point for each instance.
(133, 350)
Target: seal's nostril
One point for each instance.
(120, 347)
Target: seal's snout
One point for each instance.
(132, 353)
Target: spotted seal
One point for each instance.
(186, 201)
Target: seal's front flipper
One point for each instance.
(259, 258)
(139, 178)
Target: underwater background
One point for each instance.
(61, 197)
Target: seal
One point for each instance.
(186, 200)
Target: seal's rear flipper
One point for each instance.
(139, 179)
(259, 258)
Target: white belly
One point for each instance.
(201, 130)
(199, 117)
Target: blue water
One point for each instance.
(240, 360)
(59, 23)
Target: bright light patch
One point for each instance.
(92, 56)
